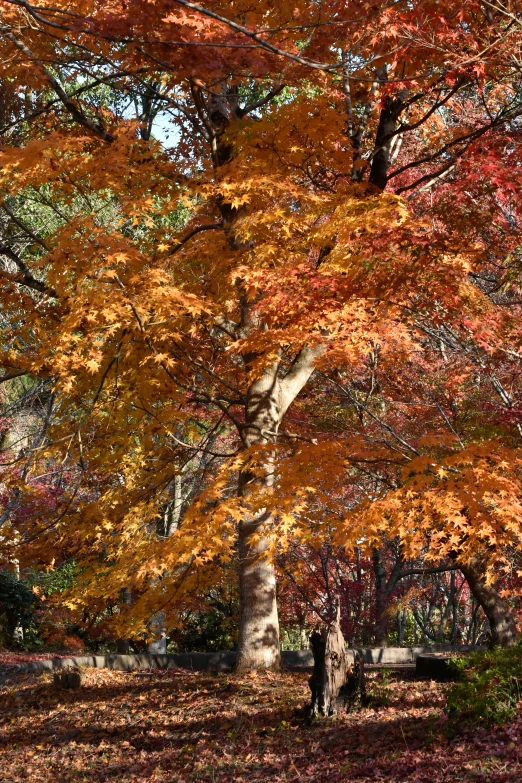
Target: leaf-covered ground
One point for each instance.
(9, 658)
(183, 727)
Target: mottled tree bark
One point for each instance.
(268, 398)
(267, 401)
(258, 620)
(390, 112)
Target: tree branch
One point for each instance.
(25, 277)
(95, 128)
(22, 225)
(302, 368)
(197, 230)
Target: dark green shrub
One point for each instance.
(212, 626)
(16, 605)
(488, 688)
(206, 631)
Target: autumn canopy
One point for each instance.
(262, 262)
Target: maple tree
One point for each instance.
(303, 299)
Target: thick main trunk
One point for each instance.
(501, 621)
(267, 401)
(258, 621)
(390, 112)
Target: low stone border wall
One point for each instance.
(222, 661)
(391, 655)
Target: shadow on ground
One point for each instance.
(185, 727)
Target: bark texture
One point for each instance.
(258, 618)
(502, 624)
(259, 622)
(390, 112)
(337, 682)
(382, 595)
(267, 401)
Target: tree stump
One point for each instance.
(68, 679)
(337, 682)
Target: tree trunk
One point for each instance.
(502, 624)
(391, 109)
(258, 620)
(454, 609)
(381, 599)
(401, 626)
(337, 681)
(268, 400)
(168, 523)
(158, 646)
(123, 645)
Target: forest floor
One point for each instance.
(182, 727)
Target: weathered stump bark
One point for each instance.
(337, 682)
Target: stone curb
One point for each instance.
(221, 661)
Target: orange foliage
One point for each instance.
(321, 193)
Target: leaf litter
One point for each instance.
(183, 727)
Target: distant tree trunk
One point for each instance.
(381, 599)
(337, 681)
(502, 624)
(158, 646)
(123, 645)
(401, 626)
(454, 609)
(167, 525)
